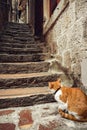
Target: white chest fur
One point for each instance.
(61, 104)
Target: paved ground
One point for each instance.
(38, 117)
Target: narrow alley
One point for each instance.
(40, 41)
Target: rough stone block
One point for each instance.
(53, 125)
(75, 35)
(25, 120)
(64, 21)
(53, 47)
(71, 14)
(50, 126)
(7, 126)
(61, 43)
(81, 8)
(84, 72)
(67, 59)
(76, 69)
(6, 112)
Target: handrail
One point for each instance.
(48, 29)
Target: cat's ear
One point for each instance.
(59, 80)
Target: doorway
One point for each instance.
(38, 25)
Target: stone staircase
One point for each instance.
(24, 72)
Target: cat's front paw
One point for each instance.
(61, 112)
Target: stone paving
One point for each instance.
(37, 117)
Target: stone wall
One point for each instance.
(4, 11)
(67, 33)
(1, 18)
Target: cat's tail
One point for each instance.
(72, 117)
(83, 119)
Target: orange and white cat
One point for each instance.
(72, 102)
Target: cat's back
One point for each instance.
(73, 90)
(75, 94)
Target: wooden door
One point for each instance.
(53, 4)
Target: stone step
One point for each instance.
(17, 35)
(23, 58)
(22, 45)
(20, 51)
(25, 97)
(17, 40)
(26, 67)
(17, 32)
(8, 81)
(18, 26)
(21, 34)
(15, 28)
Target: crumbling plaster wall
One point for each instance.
(67, 34)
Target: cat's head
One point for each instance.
(55, 85)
